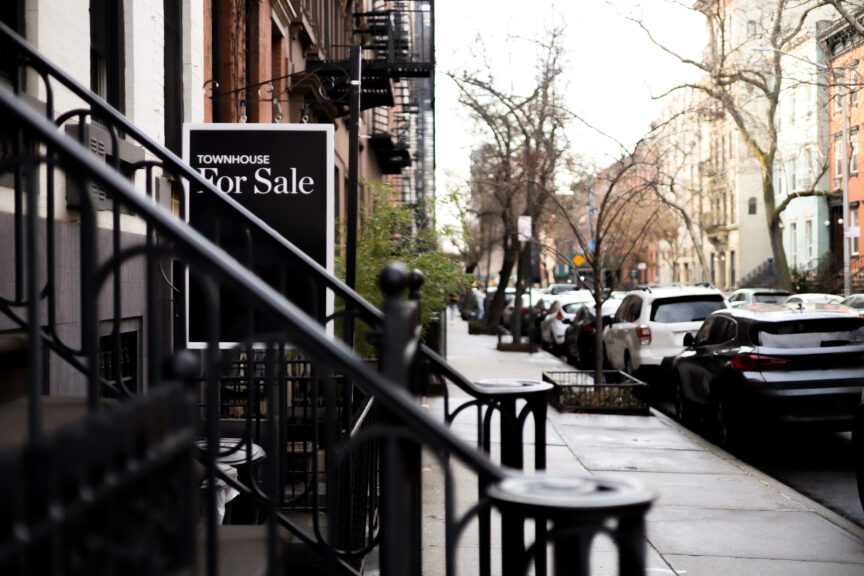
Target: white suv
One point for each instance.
(648, 329)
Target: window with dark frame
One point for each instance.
(838, 159)
(106, 51)
(11, 14)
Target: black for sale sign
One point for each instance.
(283, 174)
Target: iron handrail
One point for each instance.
(108, 113)
(318, 344)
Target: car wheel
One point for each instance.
(628, 364)
(727, 428)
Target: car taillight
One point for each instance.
(559, 315)
(644, 334)
(758, 362)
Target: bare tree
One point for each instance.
(526, 143)
(746, 85)
(623, 212)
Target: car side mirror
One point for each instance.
(689, 339)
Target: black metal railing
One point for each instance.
(164, 235)
(262, 242)
(125, 250)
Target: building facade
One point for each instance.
(163, 63)
(844, 49)
(802, 154)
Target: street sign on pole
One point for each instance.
(578, 260)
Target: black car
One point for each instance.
(772, 365)
(858, 448)
(581, 334)
(580, 337)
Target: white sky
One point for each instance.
(613, 69)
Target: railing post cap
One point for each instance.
(548, 494)
(393, 279)
(416, 278)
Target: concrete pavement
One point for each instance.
(713, 515)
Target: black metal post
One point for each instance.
(401, 514)
(351, 193)
(351, 201)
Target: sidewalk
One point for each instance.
(713, 515)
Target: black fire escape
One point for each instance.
(397, 41)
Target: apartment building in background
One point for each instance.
(844, 49)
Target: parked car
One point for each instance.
(648, 329)
(772, 365)
(855, 301)
(527, 301)
(814, 298)
(581, 335)
(541, 309)
(554, 325)
(748, 296)
(562, 287)
(858, 448)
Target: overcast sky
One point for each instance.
(613, 69)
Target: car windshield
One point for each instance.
(811, 334)
(769, 297)
(669, 310)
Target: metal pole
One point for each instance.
(351, 199)
(352, 191)
(847, 288)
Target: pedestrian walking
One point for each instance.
(453, 306)
(480, 299)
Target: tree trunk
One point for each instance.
(522, 283)
(775, 233)
(511, 251)
(597, 268)
(781, 265)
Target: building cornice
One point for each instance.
(839, 37)
(284, 14)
